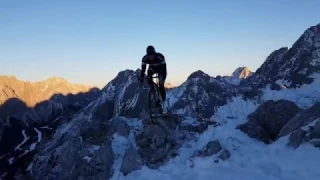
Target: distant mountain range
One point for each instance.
(32, 93)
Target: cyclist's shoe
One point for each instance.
(164, 107)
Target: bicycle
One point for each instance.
(155, 100)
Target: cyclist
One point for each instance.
(157, 64)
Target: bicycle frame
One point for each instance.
(154, 96)
(153, 77)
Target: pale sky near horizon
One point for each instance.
(89, 42)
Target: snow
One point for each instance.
(231, 80)
(65, 127)
(32, 146)
(134, 123)
(236, 108)
(11, 160)
(283, 83)
(87, 158)
(94, 148)
(46, 127)
(29, 167)
(303, 97)
(39, 134)
(133, 101)
(250, 159)
(119, 146)
(58, 118)
(313, 123)
(175, 94)
(25, 138)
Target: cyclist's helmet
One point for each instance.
(150, 50)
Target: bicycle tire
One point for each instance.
(154, 101)
(159, 99)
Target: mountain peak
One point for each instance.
(295, 66)
(56, 79)
(241, 72)
(197, 74)
(126, 73)
(314, 29)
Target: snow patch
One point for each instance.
(236, 108)
(11, 160)
(45, 127)
(301, 99)
(29, 167)
(32, 147)
(175, 94)
(25, 138)
(39, 134)
(313, 123)
(119, 145)
(93, 148)
(87, 158)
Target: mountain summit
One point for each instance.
(237, 76)
(242, 72)
(292, 67)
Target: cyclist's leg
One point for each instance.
(162, 79)
(150, 72)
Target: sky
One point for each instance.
(89, 42)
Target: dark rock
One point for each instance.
(266, 122)
(94, 132)
(224, 155)
(302, 119)
(158, 142)
(104, 111)
(254, 130)
(213, 147)
(156, 134)
(58, 161)
(98, 167)
(119, 126)
(131, 161)
(315, 142)
(296, 137)
(199, 127)
(265, 73)
(315, 133)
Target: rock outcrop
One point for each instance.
(267, 121)
(158, 142)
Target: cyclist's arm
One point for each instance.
(161, 58)
(143, 67)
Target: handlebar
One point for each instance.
(156, 75)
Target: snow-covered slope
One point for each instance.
(249, 159)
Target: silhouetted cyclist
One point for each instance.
(157, 64)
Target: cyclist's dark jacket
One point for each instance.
(158, 63)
